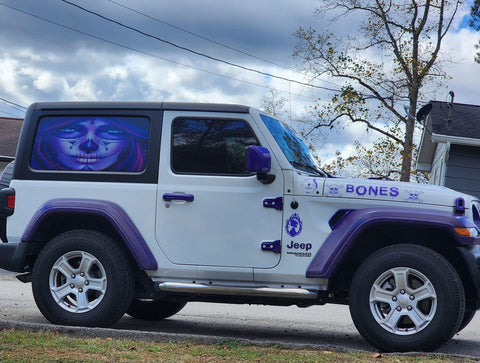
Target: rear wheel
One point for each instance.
(83, 278)
(154, 309)
(406, 298)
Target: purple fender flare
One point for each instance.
(111, 211)
(353, 223)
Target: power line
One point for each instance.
(143, 52)
(12, 103)
(198, 35)
(196, 52)
(211, 40)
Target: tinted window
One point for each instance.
(210, 146)
(292, 146)
(91, 143)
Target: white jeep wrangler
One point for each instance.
(138, 208)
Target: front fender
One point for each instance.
(354, 223)
(111, 211)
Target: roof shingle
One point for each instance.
(9, 133)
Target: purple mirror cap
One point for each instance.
(258, 159)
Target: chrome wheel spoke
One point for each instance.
(424, 292)
(401, 278)
(379, 294)
(82, 302)
(64, 267)
(61, 292)
(87, 262)
(98, 284)
(418, 318)
(391, 321)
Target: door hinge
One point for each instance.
(272, 246)
(276, 203)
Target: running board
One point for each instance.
(180, 287)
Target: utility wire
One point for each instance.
(12, 103)
(198, 35)
(143, 52)
(210, 39)
(196, 52)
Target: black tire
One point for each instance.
(467, 317)
(406, 298)
(90, 275)
(6, 175)
(154, 309)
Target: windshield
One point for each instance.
(292, 146)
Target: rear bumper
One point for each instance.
(5, 211)
(14, 256)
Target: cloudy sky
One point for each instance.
(53, 51)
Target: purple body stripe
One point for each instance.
(354, 223)
(115, 215)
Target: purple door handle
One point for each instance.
(185, 197)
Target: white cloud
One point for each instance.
(82, 90)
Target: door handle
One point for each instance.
(184, 197)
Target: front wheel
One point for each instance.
(83, 278)
(406, 298)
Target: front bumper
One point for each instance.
(472, 264)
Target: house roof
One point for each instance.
(455, 119)
(9, 133)
(455, 123)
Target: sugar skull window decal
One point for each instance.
(94, 143)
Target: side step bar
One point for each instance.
(237, 291)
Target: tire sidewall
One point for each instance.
(449, 290)
(120, 285)
(154, 309)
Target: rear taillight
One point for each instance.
(11, 202)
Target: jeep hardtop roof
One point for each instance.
(173, 106)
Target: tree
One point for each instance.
(475, 23)
(382, 160)
(274, 103)
(384, 67)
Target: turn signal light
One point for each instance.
(467, 232)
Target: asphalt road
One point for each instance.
(321, 327)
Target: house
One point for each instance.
(450, 146)
(9, 133)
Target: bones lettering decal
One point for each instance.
(294, 225)
(372, 190)
(91, 144)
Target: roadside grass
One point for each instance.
(21, 346)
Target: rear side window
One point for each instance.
(210, 146)
(91, 143)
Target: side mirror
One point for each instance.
(259, 161)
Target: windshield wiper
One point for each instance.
(307, 167)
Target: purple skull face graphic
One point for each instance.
(91, 144)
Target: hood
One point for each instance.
(371, 189)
